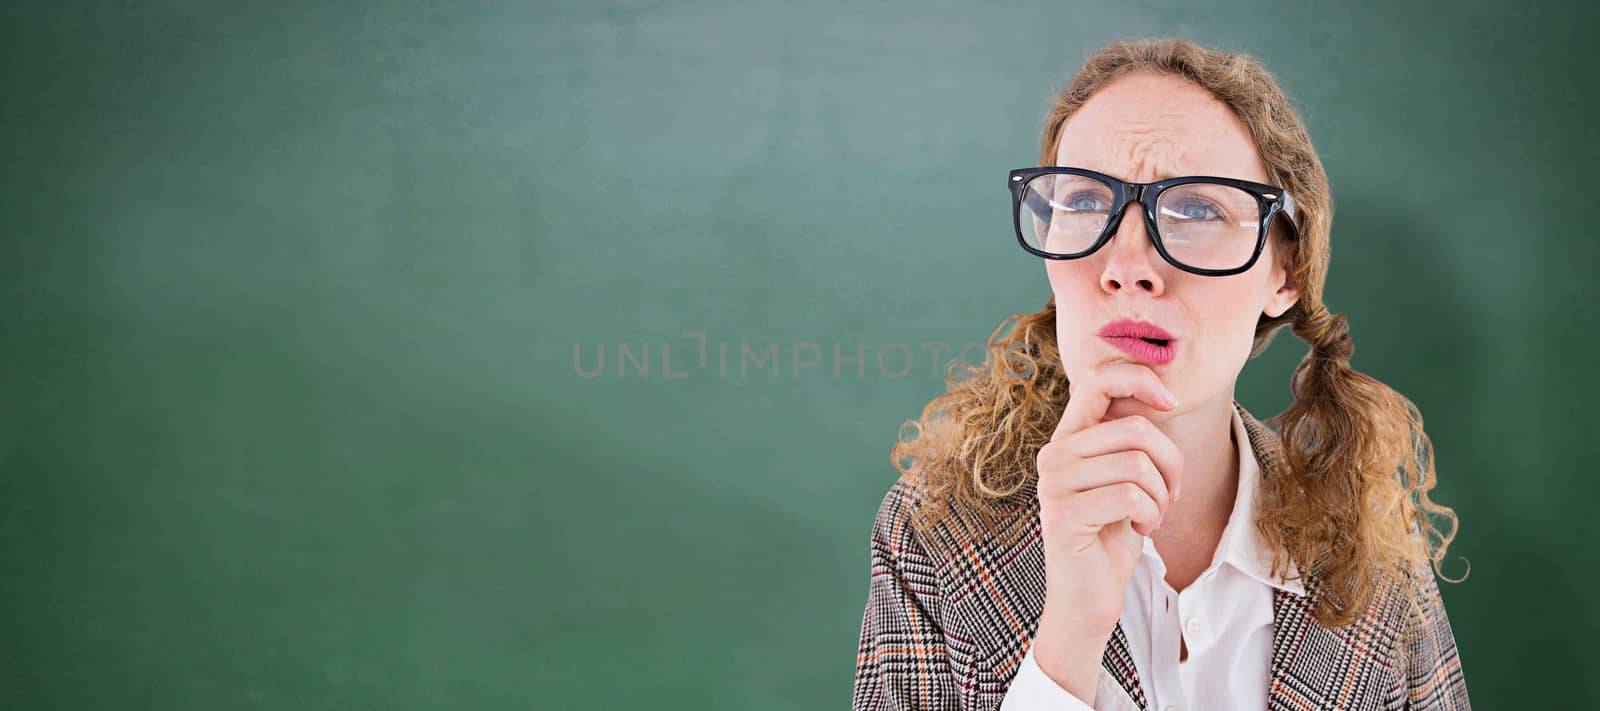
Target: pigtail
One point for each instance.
(1360, 467)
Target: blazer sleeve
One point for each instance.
(902, 662)
(1435, 679)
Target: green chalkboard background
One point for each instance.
(289, 411)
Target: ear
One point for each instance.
(1286, 293)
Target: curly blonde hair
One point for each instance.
(1355, 448)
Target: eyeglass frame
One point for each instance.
(1271, 200)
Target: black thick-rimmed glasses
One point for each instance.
(1201, 224)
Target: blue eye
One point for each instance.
(1085, 202)
(1199, 210)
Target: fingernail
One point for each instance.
(1172, 400)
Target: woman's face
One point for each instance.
(1145, 127)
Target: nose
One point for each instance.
(1131, 259)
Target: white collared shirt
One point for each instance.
(1224, 618)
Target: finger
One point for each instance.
(1135, 432)
(1132, 466)
(1088, 401)
(1097, 508)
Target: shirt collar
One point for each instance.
(1242, 545)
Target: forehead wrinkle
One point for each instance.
(1146, 153)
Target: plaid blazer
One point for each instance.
(947, 633)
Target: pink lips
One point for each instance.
(1134, 338)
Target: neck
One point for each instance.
(1194, 523)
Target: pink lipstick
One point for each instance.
(1142, 340)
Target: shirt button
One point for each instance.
(1172, 708)
(1195, 628)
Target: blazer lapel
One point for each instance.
(1118, 661)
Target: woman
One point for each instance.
(1093, 521)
